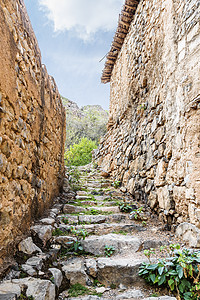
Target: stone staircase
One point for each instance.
(111, 247)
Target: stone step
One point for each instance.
(114, 209)
(120, 270)
(104, 228)
(120, 243)
(94, 219)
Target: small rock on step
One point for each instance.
(118, 271)
(47, 221)
(28, 247)
(65, 241)
(105, 174)
(28, 269)
(123, 189)
(35, 262)
(122, 244)
(70, 209)
(91, 267)
(57, 276)
(42, 232)
(74, 270)
(81, 193)
(82, 197)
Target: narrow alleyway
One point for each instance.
(85, 246)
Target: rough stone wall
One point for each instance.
(153, 139)
(32, 128)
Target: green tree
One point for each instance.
(80, 154)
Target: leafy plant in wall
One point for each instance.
(116, 184)
(180, 272)
(125, 207)
(138, 214)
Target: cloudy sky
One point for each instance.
(74, 35)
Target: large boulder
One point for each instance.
(189, 233)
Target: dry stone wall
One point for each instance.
(32, 128)
(153, 141)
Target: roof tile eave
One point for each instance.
(125, 19)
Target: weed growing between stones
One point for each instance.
(180, 271)
(80, 235)
(120, 232)
(116, 184)
(24, 297)
(93, 212)
(58, 232)
(80, 290)
(109, 250)
(125, 207)
(65, 220)
(138, 214)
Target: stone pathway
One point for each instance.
(111, 244)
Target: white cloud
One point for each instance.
(85, 17)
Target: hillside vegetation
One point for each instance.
(86, 122)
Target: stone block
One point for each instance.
(164, 198)
(189, 233)
(74, 270)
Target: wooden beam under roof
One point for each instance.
(125, 19)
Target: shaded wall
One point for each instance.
(153, 139)
(32, 128)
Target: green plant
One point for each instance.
(80, 235)
(148, 253)
(94, 211)
(109, 250)
(138, 214)
(125, 207)
(24, 297)
(65, 220)
(58, 232)
(180, 272)
(23, 275)
(120, 232)
(80, 154)
(144, 223)
(52, 279)
(80, 290)
(113, 286)
(116, 184)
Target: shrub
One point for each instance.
(180, 272)
(80, 154)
